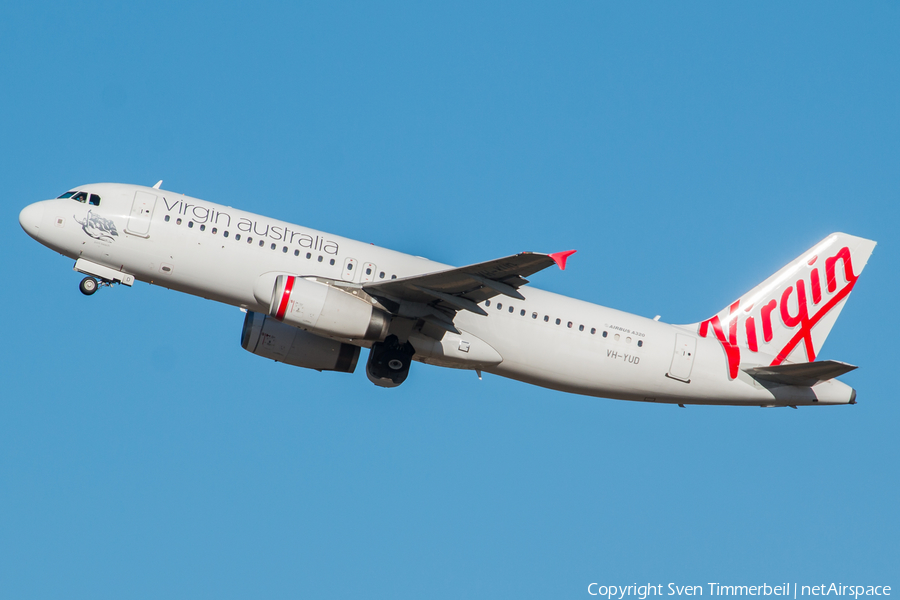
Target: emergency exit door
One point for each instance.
(350, 269)
(368, 273)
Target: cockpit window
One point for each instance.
(67, 195)
(95, 200)
(80, 196)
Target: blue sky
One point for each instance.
(686, 150)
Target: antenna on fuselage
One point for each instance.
(158, 183)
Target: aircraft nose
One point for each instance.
(30, 218)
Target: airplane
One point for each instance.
(313, 300)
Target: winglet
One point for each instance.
(560, 258)
(158, 183)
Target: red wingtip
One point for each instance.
(560, 258)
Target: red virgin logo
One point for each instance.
(798, 307)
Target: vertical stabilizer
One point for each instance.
(786, 318)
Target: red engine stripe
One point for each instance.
(285, 297)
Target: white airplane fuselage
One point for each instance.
(221, 253)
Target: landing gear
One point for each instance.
(389, 361)
(88, 286)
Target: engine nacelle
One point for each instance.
(326, 310)
(273, 339)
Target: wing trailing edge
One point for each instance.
(464, 287)
(436, 297)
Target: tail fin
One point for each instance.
(786, 318)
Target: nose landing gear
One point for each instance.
(388, 364)
(88, 286)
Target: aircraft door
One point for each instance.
(368, 272)
(141, 213)
(683, 357)
(350, 269)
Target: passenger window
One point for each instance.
(511, 309)
(487, 302)
(215, 230)
(202, 227)
(558, 321)
(320, 258)
(95, 200)
(296, 253)
(616, 337)
(225, 234)
(66, 195)
(534, 315)
(546, 318)
(167, 218)
(369, 271)
(593, 330)
(272, 247)
(499, 306)
(628, 340)
(249, 240)
(309, 255)
(522, 313)
(349, 266)
(640, 343)
(190, 224)
(80, 197)
(393, 277)
(381, 275)
(178, 221)
(569, 325)
(581, 328)
(284, 250)
(331, 262)
(237, 237)
(604, 334)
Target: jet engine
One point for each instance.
(326, 310)
(278, 341)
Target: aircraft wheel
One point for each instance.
(88, 286)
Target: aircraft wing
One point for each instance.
(437, 296)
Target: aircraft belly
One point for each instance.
(562, 358)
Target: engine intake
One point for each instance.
(326, 310)
(278, 341)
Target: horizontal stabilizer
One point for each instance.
(805, 374)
